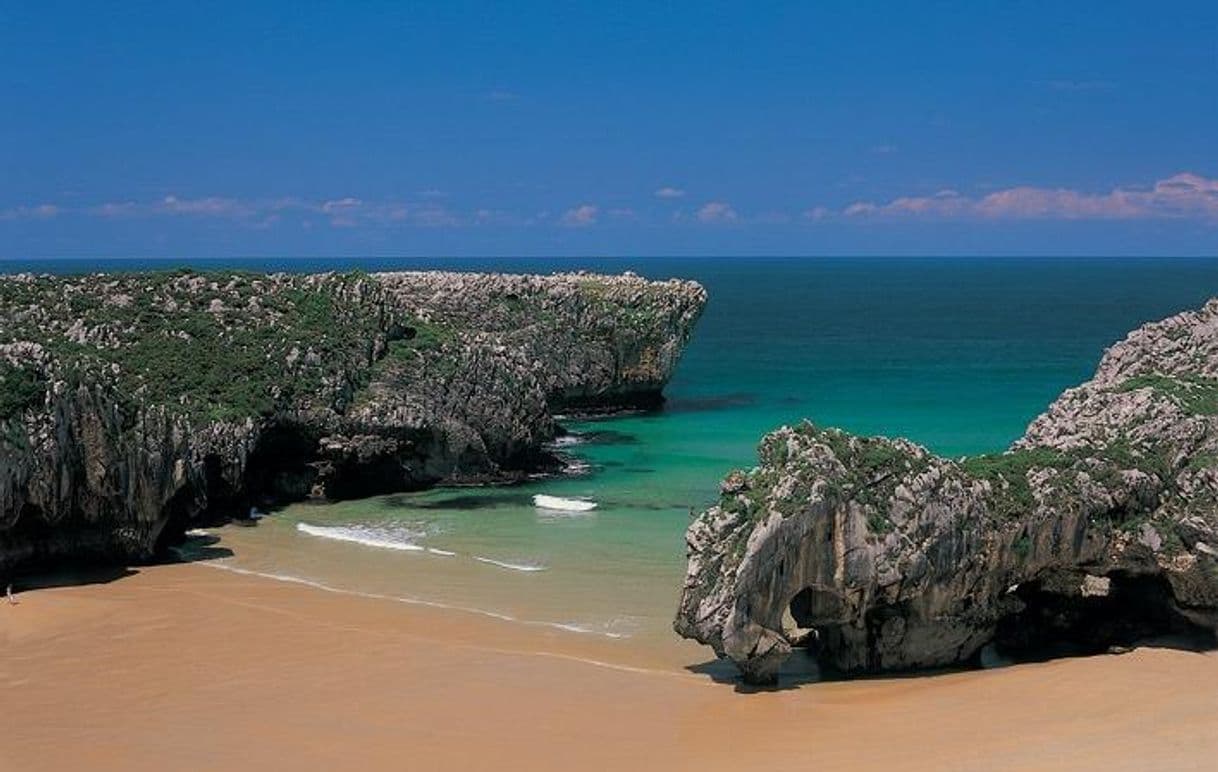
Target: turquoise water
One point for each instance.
(956, 354)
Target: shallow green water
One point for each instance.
(956, 354)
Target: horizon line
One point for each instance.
(827, 256)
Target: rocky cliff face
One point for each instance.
(594, 343)
(134, 405)
(1098, 527)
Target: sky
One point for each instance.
(296, 128)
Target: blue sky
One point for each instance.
(634, 128)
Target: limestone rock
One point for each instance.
(134, 406)
(1095, 528)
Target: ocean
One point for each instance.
(957, 354)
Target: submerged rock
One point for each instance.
(1096, 528)
(133, 406)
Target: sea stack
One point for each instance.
(1096, 528)
(133, 406)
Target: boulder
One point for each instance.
(1096, 528)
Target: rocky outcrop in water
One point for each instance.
(132, 406)
(1098, 527)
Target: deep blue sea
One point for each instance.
(958, 354)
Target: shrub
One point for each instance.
(1010, 471)
(1193, 393)
(218, 345)
(20, 390)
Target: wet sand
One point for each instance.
(188, 667)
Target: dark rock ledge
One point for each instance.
(135, 406)
(1097, 528)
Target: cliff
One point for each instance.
(1098, 527)
(133, 405)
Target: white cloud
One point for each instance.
(36, 212)
(117, 209)
(717, 212)
(580, 217)
(1184, 195)
(669, 192)
(502, 217)
(211, 206)
(347, 204)
(431, 217)
(343, 212)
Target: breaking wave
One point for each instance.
(529, 567)
(370, 536)
(223, 565)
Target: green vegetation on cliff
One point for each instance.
(20, 389)
(150, 399)
(866, 470)
(1193, 393)
(220, 346)
(1008, 473)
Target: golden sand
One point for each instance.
(188, 667)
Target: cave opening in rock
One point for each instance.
(281, 466)
(812, 616)
(809, 604)
(178, 513)
(1071, 614)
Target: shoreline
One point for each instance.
(281, 673)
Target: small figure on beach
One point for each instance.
(12, 600)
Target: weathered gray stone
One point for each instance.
(327, 385)
(900, 559)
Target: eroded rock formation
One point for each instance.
(1097, 527)
(134, 405)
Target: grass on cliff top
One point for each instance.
(424, 336)
(1203, 461)
(20, 390)
(1195, 394)
(995, 466)
(166, 345)
(875, 466)
(236, 372)
(1013, 467)
(419, 339)
(881, 466)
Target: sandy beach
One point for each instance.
(188, 667)
(439, 385)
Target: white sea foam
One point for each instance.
(567, 440)
(571, 627)
(289, 579)
(529, 567)
(440, 552)
(618, 627)
(576, 468)
(369, 536)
